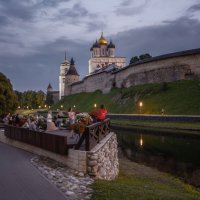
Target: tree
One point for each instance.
(134, 60)
(8, 98)
(30, 98)
(145, 56)
(49, 98)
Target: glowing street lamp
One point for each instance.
(61, 106)
(39, 107)
(18, 107)
(141, 141)
(74, 106)
(95, 105)
(45, 105)
(27, 107)
(140, 104)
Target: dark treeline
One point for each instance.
(8, 98)
(30, 99)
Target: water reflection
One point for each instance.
(176, 155)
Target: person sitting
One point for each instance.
(101, 113)
(32, 125)
(6, 119)
(50, 124)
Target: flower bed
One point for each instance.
(82, 120)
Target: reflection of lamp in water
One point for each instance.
(141, 141)
(140, 104)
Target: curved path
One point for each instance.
(19, 180)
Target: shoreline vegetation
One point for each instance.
(138, 182)
(162, 126)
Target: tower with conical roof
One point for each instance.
(71, 76)
(64, 67)
(49, 88)
(103, 54)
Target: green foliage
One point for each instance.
(140, 183)
(8, 99)
(32, 99)
(135, 59)
(181, 97)
(49, 98)
(145, 56)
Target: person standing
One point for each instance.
(71, 115)
(59, 119)
(50, 124)
(101, 114)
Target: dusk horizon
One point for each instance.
(33, 42)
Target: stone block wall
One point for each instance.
(102, 160)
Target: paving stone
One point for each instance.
(74, 185)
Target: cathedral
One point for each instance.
(103, 54)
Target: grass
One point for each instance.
(180, 98)
(138, 182)
(159, 124)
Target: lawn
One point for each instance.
(138, 182)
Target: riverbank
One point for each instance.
(163, 126)
(139, 182)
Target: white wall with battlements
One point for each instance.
(156, 70)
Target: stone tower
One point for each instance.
(103, 54)
(64, 67)
(49, 88)
(71, 76)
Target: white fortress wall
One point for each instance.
(156, 70)
(165, 67)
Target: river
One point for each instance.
(173, 153)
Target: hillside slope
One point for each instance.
(181, 97)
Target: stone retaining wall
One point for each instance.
(102, 160)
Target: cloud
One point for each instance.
(37, 70)
(126, 8)
(194, 8)
(126, 3)
(171, 36)
(94, 26)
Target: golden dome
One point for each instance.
(102, 40)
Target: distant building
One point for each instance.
(52, 96)
(64, 67)
(103, 54)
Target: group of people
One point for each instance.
(55, 125)
(17, 120)
(32, 122)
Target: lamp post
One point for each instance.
(140, 105)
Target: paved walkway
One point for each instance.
(20, 180)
